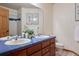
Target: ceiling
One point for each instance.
(17, 5)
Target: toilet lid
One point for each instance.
(59, 44)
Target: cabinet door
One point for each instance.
(46, 43)
(4, 22)
(1, 31)
(45, 50)
(34, 49)
(5, 26)
(52, 50)
(52, 47)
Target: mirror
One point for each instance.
(32, 18)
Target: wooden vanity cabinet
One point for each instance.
(44, 48)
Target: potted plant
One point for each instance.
(30, 33)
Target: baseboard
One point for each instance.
(72, 51)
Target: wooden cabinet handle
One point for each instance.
(7, 31)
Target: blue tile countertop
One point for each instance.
(5, 49)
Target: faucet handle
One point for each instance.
(16, 37)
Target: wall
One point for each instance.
(13, 13)
(47, 17)
(64, 25)
(19, 22)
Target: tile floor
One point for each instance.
(64, 53)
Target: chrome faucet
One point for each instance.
(16, 38)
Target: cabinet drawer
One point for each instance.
(47, 54)
(46, 43)
(37, 54)
(45, 50)
(33, 49)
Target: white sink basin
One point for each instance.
(18, 41)
(6, 38)
(42, 36)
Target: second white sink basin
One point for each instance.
(42, 36)
(18, 41)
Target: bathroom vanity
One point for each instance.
(37, 47)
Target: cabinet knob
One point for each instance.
(7, 31)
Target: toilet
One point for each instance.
(59, 48)
(59, 45)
